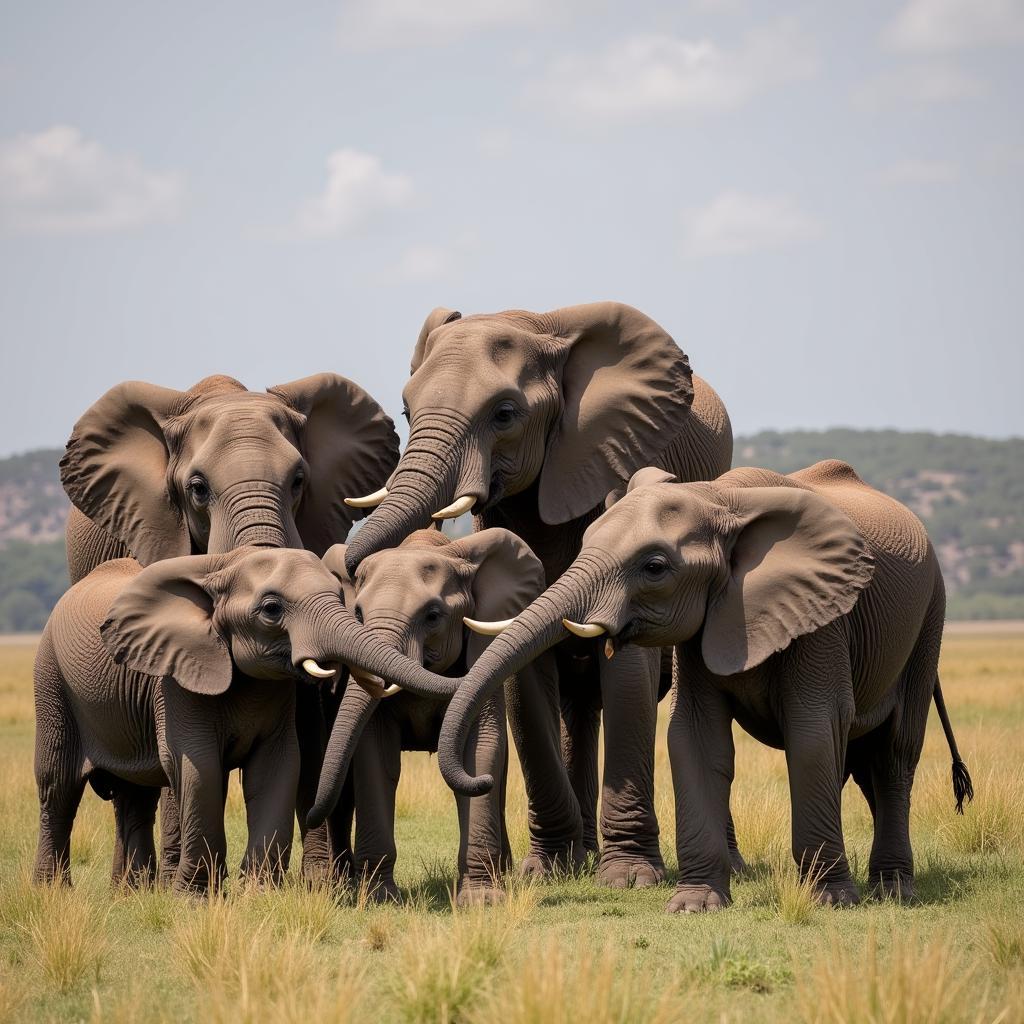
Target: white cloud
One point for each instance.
(654, 73)
(920, 172)
(735, 223)
(942, 26)
(921, 83)
(58, 181)
(380, 24)
(358, 188)
(434, 262)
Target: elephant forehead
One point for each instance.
(424, 574)
(287, 571)
(669, 512)
(252, 414)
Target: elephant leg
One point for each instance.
(377, 766)
(340, 826)
(170, 835)
(318, 856)
(270, 777)
(134, 851)
(702, 756)
(199, 781)
(631, 852)
(555, 824)
(483, 845)
(580, 698)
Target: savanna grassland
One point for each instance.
(558, 952)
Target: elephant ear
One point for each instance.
(626, 389)
(350, 447)
(641, 478)
(796, 563)
(162, 624)
(508, 576)
(115, 469)
(437, 317)
(334, 559)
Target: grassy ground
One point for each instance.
(566, 951)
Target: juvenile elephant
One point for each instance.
(809, 608)
(173, 675)
(529, 420)
(414, 598)
(155, 473)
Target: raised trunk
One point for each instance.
(536, 629)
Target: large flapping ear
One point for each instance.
(350, 446)
(626, 388)
(437, 317)
(334, 559)
(162, 624)
(115, 469)
(797, 563)
(641, 478)
(508, 576)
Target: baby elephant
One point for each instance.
(175, 674)
(414, 598)
(809, 608)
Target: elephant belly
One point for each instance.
(419, 720)
(756, 714)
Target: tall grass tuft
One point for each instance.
(1004, 941)
(66, 937)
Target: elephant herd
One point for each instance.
(222, 617)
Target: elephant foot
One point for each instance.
(618, 872)
(737, 864)
(540, 863)
(843, 893)
(135, 878)
(697, 899)
(893, 885)
(383, 890)
(479, 894)
(318, 872)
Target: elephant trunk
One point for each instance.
(252, 515)
(421, 485)
(536, 629)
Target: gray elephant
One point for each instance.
(414, 598)
(173, 675)
(809, 608)
(529, 420)
(155, 473)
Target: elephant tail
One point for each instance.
(963, 787)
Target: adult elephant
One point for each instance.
(808, 608)
(154, 473)
(529, 420)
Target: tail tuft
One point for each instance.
(963, 787)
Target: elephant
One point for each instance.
(808, 608)
(155, 473)
(414, 598)
(528, 420)
(174, 674)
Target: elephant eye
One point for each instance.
(656, 567)
(271, 609)
(300, 479)
(199, 491)
(505, 414)
(433, 617)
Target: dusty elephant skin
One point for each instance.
(414, 599)
(530, 420)
(173, 675)
(154, 473)
(809, 608)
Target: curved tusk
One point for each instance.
(584, 629)
(315, 670)
(390, 691)
(370, 501)
(487, 628)
(456, 508)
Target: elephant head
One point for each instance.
(749, 568)
(270, 614)
(570, 402)
(176, 472)
(416, 599)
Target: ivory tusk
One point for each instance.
(609, 649)
(456, 508)
(390, 691)
(369, 501)
(487, 628)
(315, 670)
(584, 629)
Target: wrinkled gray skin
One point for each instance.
(809, 608)
(154, 473)
(536, 417)
(413, 599)
(172, 676)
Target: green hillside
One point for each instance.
(968, 490)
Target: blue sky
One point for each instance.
(821, 202)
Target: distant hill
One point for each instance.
(968, 490)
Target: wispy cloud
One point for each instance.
(736, 223)
(357, 190)
(434, 261)
(943, 26)
(382, 24)
(920, 83)
(920, 172)
(654, 73)
(58, 181)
